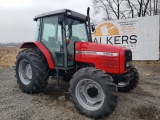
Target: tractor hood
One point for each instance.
(106, 57)
(87, 46)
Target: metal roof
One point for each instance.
(56, 12)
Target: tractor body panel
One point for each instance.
(44, 50)
(105, 57)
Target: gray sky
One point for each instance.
(16, 16)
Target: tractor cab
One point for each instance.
(58, 31)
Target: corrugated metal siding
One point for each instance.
(148, 39)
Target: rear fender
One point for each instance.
(43, 49)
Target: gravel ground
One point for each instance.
(51, 104)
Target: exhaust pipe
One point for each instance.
(89, 25)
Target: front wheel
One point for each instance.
(93, 92)
(128, 86)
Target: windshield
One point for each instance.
(76, 30)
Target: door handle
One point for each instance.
(61, 48)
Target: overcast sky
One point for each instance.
(16, 16)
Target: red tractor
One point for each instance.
(63, 49)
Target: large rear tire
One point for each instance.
(31, 70)
(93, 92)
(127, 87)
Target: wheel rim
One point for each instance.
(122, 84)
(90, 94)
(25, 72)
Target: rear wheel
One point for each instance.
(93, 92)
(128, 86)
(31, 71)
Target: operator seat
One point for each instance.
(70, 46)
(52, 41)
(70, 49)
(54, 49)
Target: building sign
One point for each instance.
(132, 33)
(122, 33)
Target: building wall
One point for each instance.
(141, 35)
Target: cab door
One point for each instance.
(75, 31)
(51, 37)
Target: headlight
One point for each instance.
(128, 59)
(128, 63)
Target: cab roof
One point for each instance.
(62, 11)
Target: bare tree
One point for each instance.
(141, 6)
(145, 8)
(118, 9)
(156, 7)
(131, 7)
(112, 8)
(150, 9)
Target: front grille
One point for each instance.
(128, 58)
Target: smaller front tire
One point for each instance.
(93, 92)
(127, 87)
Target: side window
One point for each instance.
(49, 31)
(59, 35)
(37, 30)
(50, 34)
(79, 31)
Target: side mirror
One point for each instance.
(60, 19)
(92, 27)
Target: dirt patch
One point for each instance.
(147, 112)
(141, 103)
